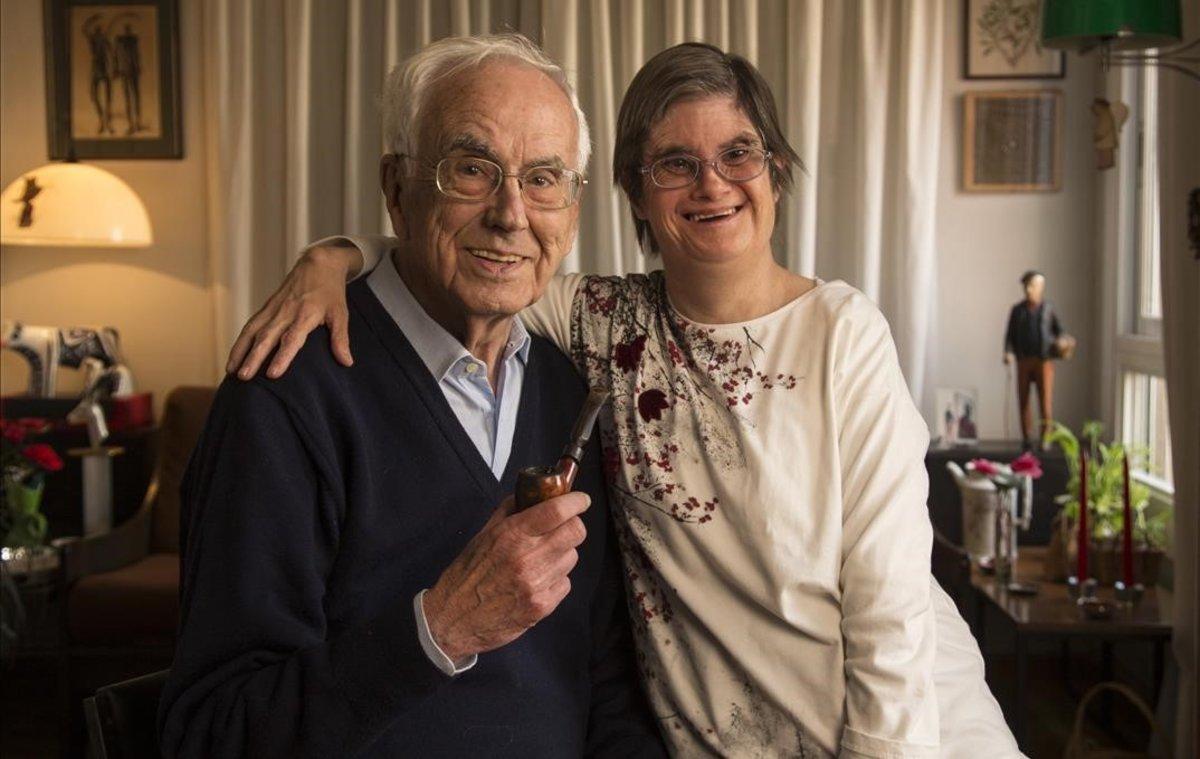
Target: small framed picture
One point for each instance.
(1012, 141)
(1002, 39)
(112, 79)
(957, 416)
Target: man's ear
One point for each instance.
(391, 180)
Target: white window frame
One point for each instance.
(1130, 341)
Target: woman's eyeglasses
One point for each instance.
(740, 164)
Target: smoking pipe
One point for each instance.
(540, 483)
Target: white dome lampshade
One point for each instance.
(75, 205)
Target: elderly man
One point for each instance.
(350, 586)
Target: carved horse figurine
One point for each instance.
(96, 349)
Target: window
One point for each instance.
(1144, 422)
(1148, 315)
(1141, 390)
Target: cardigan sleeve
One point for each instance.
(1056, 329)
(1010, 332)
(888, 622)
(257, 672)
(620, 722)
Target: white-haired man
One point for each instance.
(350, 586)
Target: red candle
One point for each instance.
(1127, 536)
(1081, 569)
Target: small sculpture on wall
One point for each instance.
(97, 350)
(1033, 339)
(32, 190)
(1106, 134)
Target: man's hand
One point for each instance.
(313, 293)
(508, 578)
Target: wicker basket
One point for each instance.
(1079, 748)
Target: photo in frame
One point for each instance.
(957, 416)
(1012, 141)
(1002, 40)
(112, 79)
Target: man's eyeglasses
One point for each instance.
(476, 179)
(740, 164)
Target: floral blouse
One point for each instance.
(769, 490)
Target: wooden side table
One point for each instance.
(1052, 614)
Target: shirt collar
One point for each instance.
(439, 350)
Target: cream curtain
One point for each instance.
(1179, 175)
(294, 133)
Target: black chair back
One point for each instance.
(951, 566)
(122, 719)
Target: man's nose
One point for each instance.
(507, 210)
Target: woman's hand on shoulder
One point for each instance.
(312, 294)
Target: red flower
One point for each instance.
(1027, 464)
(629, 354)
(43, 455)
(13, 432)
(651, 404)
(983, 466)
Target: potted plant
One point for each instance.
(23, 469)
(1106, 493)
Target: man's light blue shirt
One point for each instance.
(488, 417)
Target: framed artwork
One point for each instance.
(112, 79)
(1002, 39)
(957, 416)
(1012, 141)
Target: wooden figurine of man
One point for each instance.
(1033, 339)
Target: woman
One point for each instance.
(765, 457)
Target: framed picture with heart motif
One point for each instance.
(1002, 40)
(1012, 140)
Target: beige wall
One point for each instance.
(986, 241)
(157, 297)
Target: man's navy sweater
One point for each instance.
(315, 507)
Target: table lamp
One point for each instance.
(73, 204)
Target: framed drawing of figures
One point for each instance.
(1002, 40)
(1012, 141)
(112, 79)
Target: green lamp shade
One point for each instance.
(1122, 24)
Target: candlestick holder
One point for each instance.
(1097, 608)
(1078, 592)
(1129, 595)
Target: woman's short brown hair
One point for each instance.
(683, 72)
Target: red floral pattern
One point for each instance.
(679, 390)
(651, 404)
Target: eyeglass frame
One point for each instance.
(648, 169)
(502, 175)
